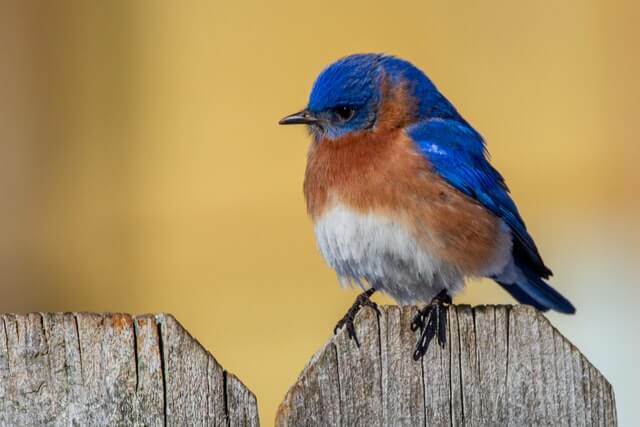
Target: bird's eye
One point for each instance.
(344, 112)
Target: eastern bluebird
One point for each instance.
(402, 195)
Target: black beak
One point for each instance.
(300, 118)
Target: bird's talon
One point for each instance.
(348, 320)
(442, 326)
(417, 323)
(431, 321)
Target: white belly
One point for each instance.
(384, 253)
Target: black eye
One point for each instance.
(344, 112)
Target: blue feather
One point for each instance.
(532, 290)
(457, 153)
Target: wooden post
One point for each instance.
(501, 365)
(91, 369)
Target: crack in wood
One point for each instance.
(163, 371)
(135, 353)
(225, 396)
(77, 330)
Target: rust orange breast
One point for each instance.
(382, 173)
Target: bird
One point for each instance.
(403, 197)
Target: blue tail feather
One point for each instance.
(532, 290)
(521, 296)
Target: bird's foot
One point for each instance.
(361, 301)
(431, 320)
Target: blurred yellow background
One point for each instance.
(142, 169)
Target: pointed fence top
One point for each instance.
(501, 365)
(113, 369)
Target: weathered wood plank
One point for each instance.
(63, 369)
(404, 396)
(317, 399)
(436, 372)
(360, 374)
(491, 345)
(502, 365)
(242, 409)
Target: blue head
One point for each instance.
(348, 95)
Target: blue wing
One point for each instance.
(457, 153)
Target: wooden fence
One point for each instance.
(501, 365)
(86, 369)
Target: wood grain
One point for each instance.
(63, 369)
(501, 365)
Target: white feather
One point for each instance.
(384, 253)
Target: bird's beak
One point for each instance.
(303, 117)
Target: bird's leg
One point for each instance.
(430, 320)
(361, 301)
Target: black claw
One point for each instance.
(442, 297)
(351, 331)
(431, 320)
(416, 324)
(421, 317)
(347, 321)
(442, 326)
